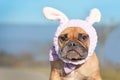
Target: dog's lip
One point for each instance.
(74, 60)
(75, 51)
(71, 50)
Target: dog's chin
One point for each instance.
(73, 55)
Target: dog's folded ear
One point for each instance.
(94, 16)
(53, 14)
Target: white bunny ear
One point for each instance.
(53, 14)
(94, 16)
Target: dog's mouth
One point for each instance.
(73, 55)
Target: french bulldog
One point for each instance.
(73, 56)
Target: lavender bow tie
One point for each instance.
(68, 67)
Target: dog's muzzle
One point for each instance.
(73, 51)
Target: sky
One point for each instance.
(30, 11)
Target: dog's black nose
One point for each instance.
(72, 44)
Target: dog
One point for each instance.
(72, 57)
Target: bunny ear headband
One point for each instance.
(94, 16)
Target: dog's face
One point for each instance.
(74, 44)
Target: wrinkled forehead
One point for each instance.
(73, 30)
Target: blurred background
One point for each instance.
(26, 36)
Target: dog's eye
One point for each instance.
(82, 37)
(63, 37)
